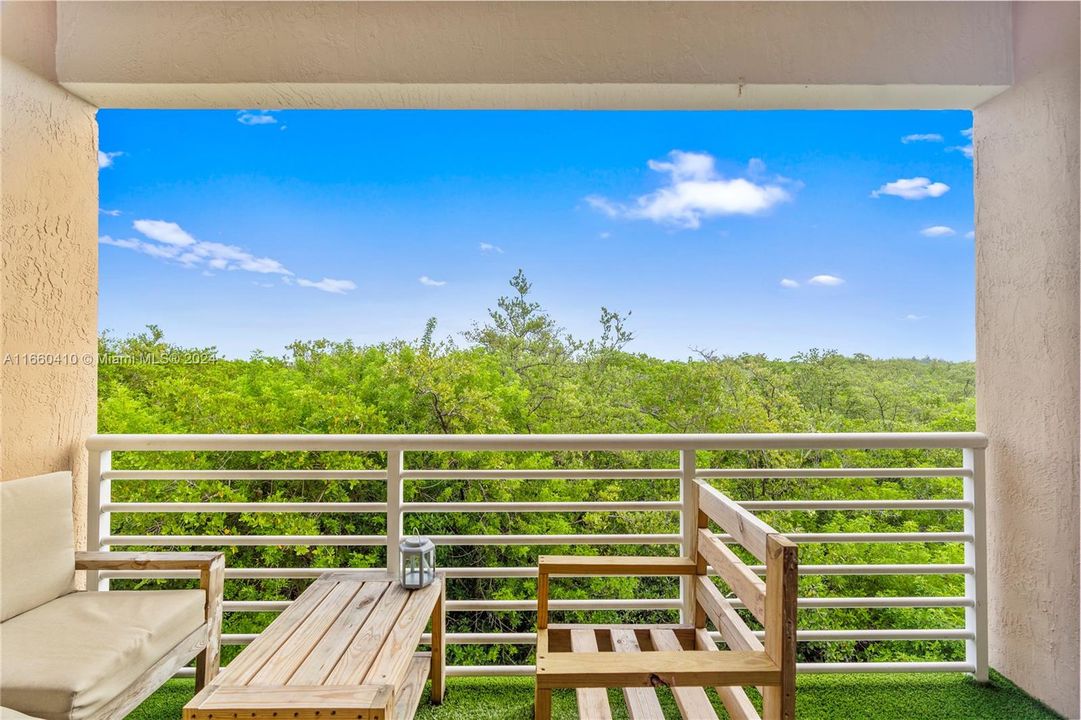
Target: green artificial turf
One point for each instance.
(819, 697)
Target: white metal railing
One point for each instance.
(395, 474)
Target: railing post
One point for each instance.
(395, 493)
(975, 491)
(688, 529)
(98, 524)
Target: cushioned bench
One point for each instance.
(67, 655)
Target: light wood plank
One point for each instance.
(600, 565)
(295, 650)
(212, 583)
(392, 662)
(693, 702)
(144, 560)
(734, 631)
(366, 702)
(407, 697)
(747, 586)
(542, 703)
(649, 669)
(735, 700)
(642, 702)
(245, 665)
(321, 660)
(439, 645)
(542, 598)
(358, 657)
(782, 589)
(592, 702)
(748, 530)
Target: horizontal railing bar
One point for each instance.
(834, 473)
(584, 539)
(454, 507)
(525, 572)
(231, 540)
(640, 604)
(529, 571)
(529, 638)
(886, 667)
(878, 635)
(490, 670)
(869, 667)
(236, 507)
(759, 505)
(877, 569)
(689, 441)
(244, 475)
(561, 474)
(887, 537)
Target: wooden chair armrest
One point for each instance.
(145, 560)
(599, 565)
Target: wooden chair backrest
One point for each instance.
(772, 602)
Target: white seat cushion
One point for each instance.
(9, 714)
(67, 658)
(37, 542)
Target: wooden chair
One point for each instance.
(684, 657)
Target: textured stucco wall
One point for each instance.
(1027, 357)
(48, 269)
(534, 54)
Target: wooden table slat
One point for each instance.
(361, 653)
(321, 660)
(295, 650)
(247, 663)
(394, 657)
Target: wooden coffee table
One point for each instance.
(346, 648)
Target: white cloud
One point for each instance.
(329, 285)
(924, 137)
(110, 213)
(604, 235)
(168, 241)
(425, 280)
(105, 159)
(826, 280)
(970, 234)
(259, 117)
(789, 283)
(913, 318)
(166, 232)
(490, 249)
(695, 190)
(938, 231)
(965, 150)
(916, 188)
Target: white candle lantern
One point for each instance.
(417, 567)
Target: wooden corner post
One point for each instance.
(211, 582)
(782, 591)
(439, 644)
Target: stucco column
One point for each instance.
(48, 260)
(1027, 353)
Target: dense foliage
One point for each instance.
(520, 372)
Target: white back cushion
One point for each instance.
(37, 542)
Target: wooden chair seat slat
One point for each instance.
(642, 702)
(592, 702)
(692, 701)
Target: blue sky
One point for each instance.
(770, 232)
